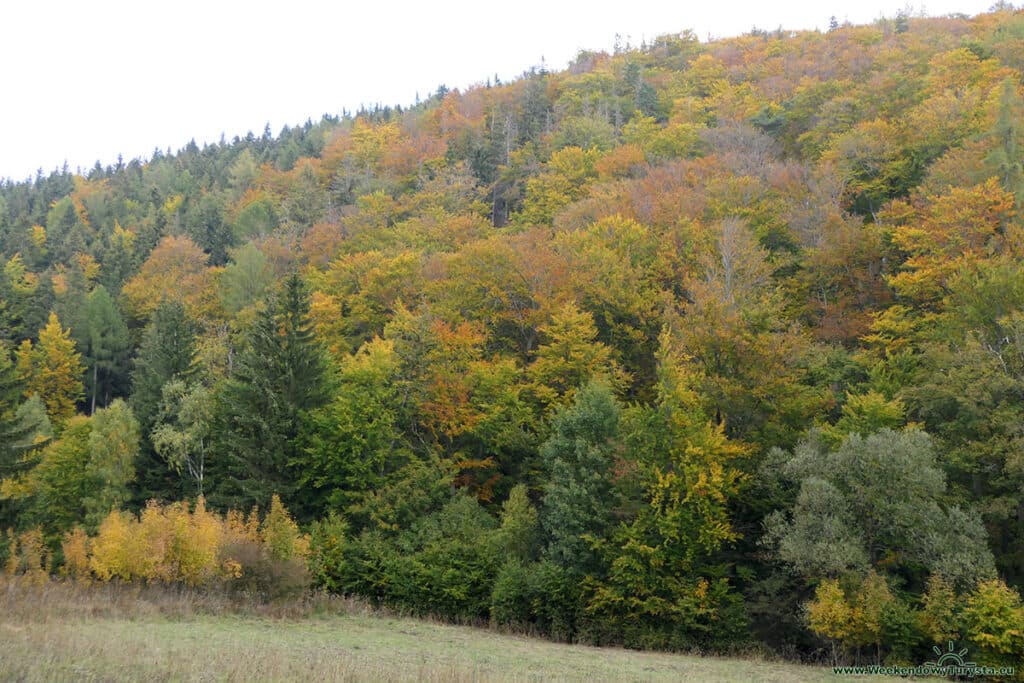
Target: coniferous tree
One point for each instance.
(11, 430)
(18, 428)
(17, 286)
(167, 352)
(106, 349)
(280, 375)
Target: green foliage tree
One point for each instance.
(664, 582)
(167, 352)
(578, 503)
(994, 620)
(836, 254)
(184, 430)
(876, 501)
(519, 525)
(113, 446)
(1006, 157)
(82, 475)
(353, 443)
(106, 349)
(54, 489)
(246, 279)
(280, 375)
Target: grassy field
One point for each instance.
(49, 635)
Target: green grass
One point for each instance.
(50, 639)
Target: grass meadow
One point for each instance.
(64, 632)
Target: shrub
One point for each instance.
(112, 553)
(541, 596)
(280, 534)
(261, 574)
(175, 544)
(994, 617)
(512, 598)
(75, 548)
(939, 619)
(444, 564)
(28, 556)
(327, 553)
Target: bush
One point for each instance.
(174, 544)
(28, 556)
(901, 632)
(541, 597)
(512, 598)
(695, 613)
(6, 540)
(263, 575)
(994, 616)
(444, 564)
(75, 548)
(327, 553)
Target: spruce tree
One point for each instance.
(280, 375)
(20, 429)
(17, 427)
(106, 349)
(167, 351)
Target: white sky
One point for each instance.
(81, 81)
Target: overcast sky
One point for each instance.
(86, 81)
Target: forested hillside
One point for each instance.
(693, 345)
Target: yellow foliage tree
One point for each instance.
(75, 547)
(829, 614)
(53, 369)
(280, 533)
(176, 270)
(110, 554)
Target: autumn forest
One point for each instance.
(696, 346)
